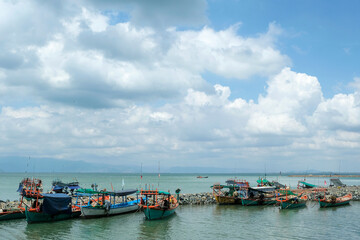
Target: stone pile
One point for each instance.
(341, 191)
(9, 204)
(204, 198)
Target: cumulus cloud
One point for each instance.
(85, 85)
(202, 128)
(227, 54)
(76, 57)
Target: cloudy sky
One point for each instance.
(242, 84)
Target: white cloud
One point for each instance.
(227, 54)
(355, 84)
(79, 84)
(77, 58)
(340, 112)
(197, 128)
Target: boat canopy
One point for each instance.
(307, 184)
(154, 192)
(263, 189)
(222, 186)
(123, 192)
(277, 184)
(56, 203)
(336, 182)
(286, 191)
(262, 181)
(114, 193)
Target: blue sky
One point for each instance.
(320, 37)
(188, 83)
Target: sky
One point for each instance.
(251, 85)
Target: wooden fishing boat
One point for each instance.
(290, 200)
(334, 201)
(256, 196)
(230, 193)
(157, 204)
(96, 207)
(12, 213)
(225, 194)
(258, 201)
(27, 188)
(202, 177)
(51, 207)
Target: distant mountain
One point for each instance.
(205, 170)
(23, 164)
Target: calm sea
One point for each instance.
(189, 222)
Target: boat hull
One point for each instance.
(92, 212)
(153, 213)
(12, 215)
(292, 205)
(257, 202)
(336, 204)
(36, 217)
(226, 200)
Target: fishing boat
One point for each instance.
(202, 177)
(305, 185)
(61, 187)
(27, 188)
(289, 200)
(51, 207)
(230, 193)
(12, 213)
(102, 203)
(256, 196)
(157, 204)
(333, 201)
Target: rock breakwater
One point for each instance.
(204, 198)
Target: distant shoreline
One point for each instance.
(326, 176)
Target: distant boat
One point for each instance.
(290, 200)
(334, 201)
(98, 208)
(51, 207)
(202, 177)
(158, 204)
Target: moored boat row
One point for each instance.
(266, 193)
(60, 204)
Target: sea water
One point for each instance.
(189, 222)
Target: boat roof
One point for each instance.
(337, 182)
(286, 191)
(307, 184)
(263, 189)
(115, 193)
(154, 192)
(259, 181)
(56, 195)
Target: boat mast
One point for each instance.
(159, 174)
(141, 176)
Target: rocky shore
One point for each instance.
(204, 198)
(341, 191)
(325, 176)
(207, 198)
